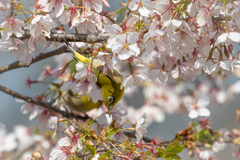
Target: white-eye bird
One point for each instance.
(110, 83)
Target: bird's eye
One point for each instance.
(110, 99)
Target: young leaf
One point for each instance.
(172, 157)
(91, 149)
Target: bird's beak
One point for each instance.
(110, 110)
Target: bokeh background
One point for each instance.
(10, 115)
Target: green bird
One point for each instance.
(110, 83)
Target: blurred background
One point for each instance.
(10, 115)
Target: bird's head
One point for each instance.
(111, 95)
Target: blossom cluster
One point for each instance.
(162, 46)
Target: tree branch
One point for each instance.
(40, 57)
(45, 105)
(70, 37)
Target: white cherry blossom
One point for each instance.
(125, 45)
(134, 79)
(140, 128)
(59, 6)
(144, 6)
(199, 108)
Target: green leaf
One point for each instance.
(178, 148)
(173, 145)
(170, 152)
(172, 157)
(107, 154)
(72, 66)
(91, 149)
(112, 129)
(204, 136)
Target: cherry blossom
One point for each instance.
(7, 142)
(126, 46)
(58, 5)
(82, 72)
(94, 4)
(5, 4)
(39, 25)
(13, 26)
(71, 139)
(198, 109)
(206, 155)
(228, 38)
(53, 123)
(60, 154)
(69, 14)
(140, 128)
(144, 6)
(69, 85)
(90, 89)
(135, 79)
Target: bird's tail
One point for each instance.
(78, 55)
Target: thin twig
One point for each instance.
(40, 103)
(105, 15)
(40, 57)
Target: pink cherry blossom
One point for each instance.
(108, 64)
(83, 73)
(39, 25)
(90, 89)
(60, 154)
(58, 5)
(14, 26)
(69, 14)
(94, 4)
(85, 23)
(28, 82)
(46, 72)
(151, 39)
(72, 139)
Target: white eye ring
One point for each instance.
(110, 99)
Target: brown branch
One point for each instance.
(70, 37)
(40, 57)
(45, 105)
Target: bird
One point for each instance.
(110, 83)
(80, 103)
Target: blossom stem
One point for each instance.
(25, 14)
(29, 11)
(131, 69)
(115, 147)
(73, 122)
(124, 129)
